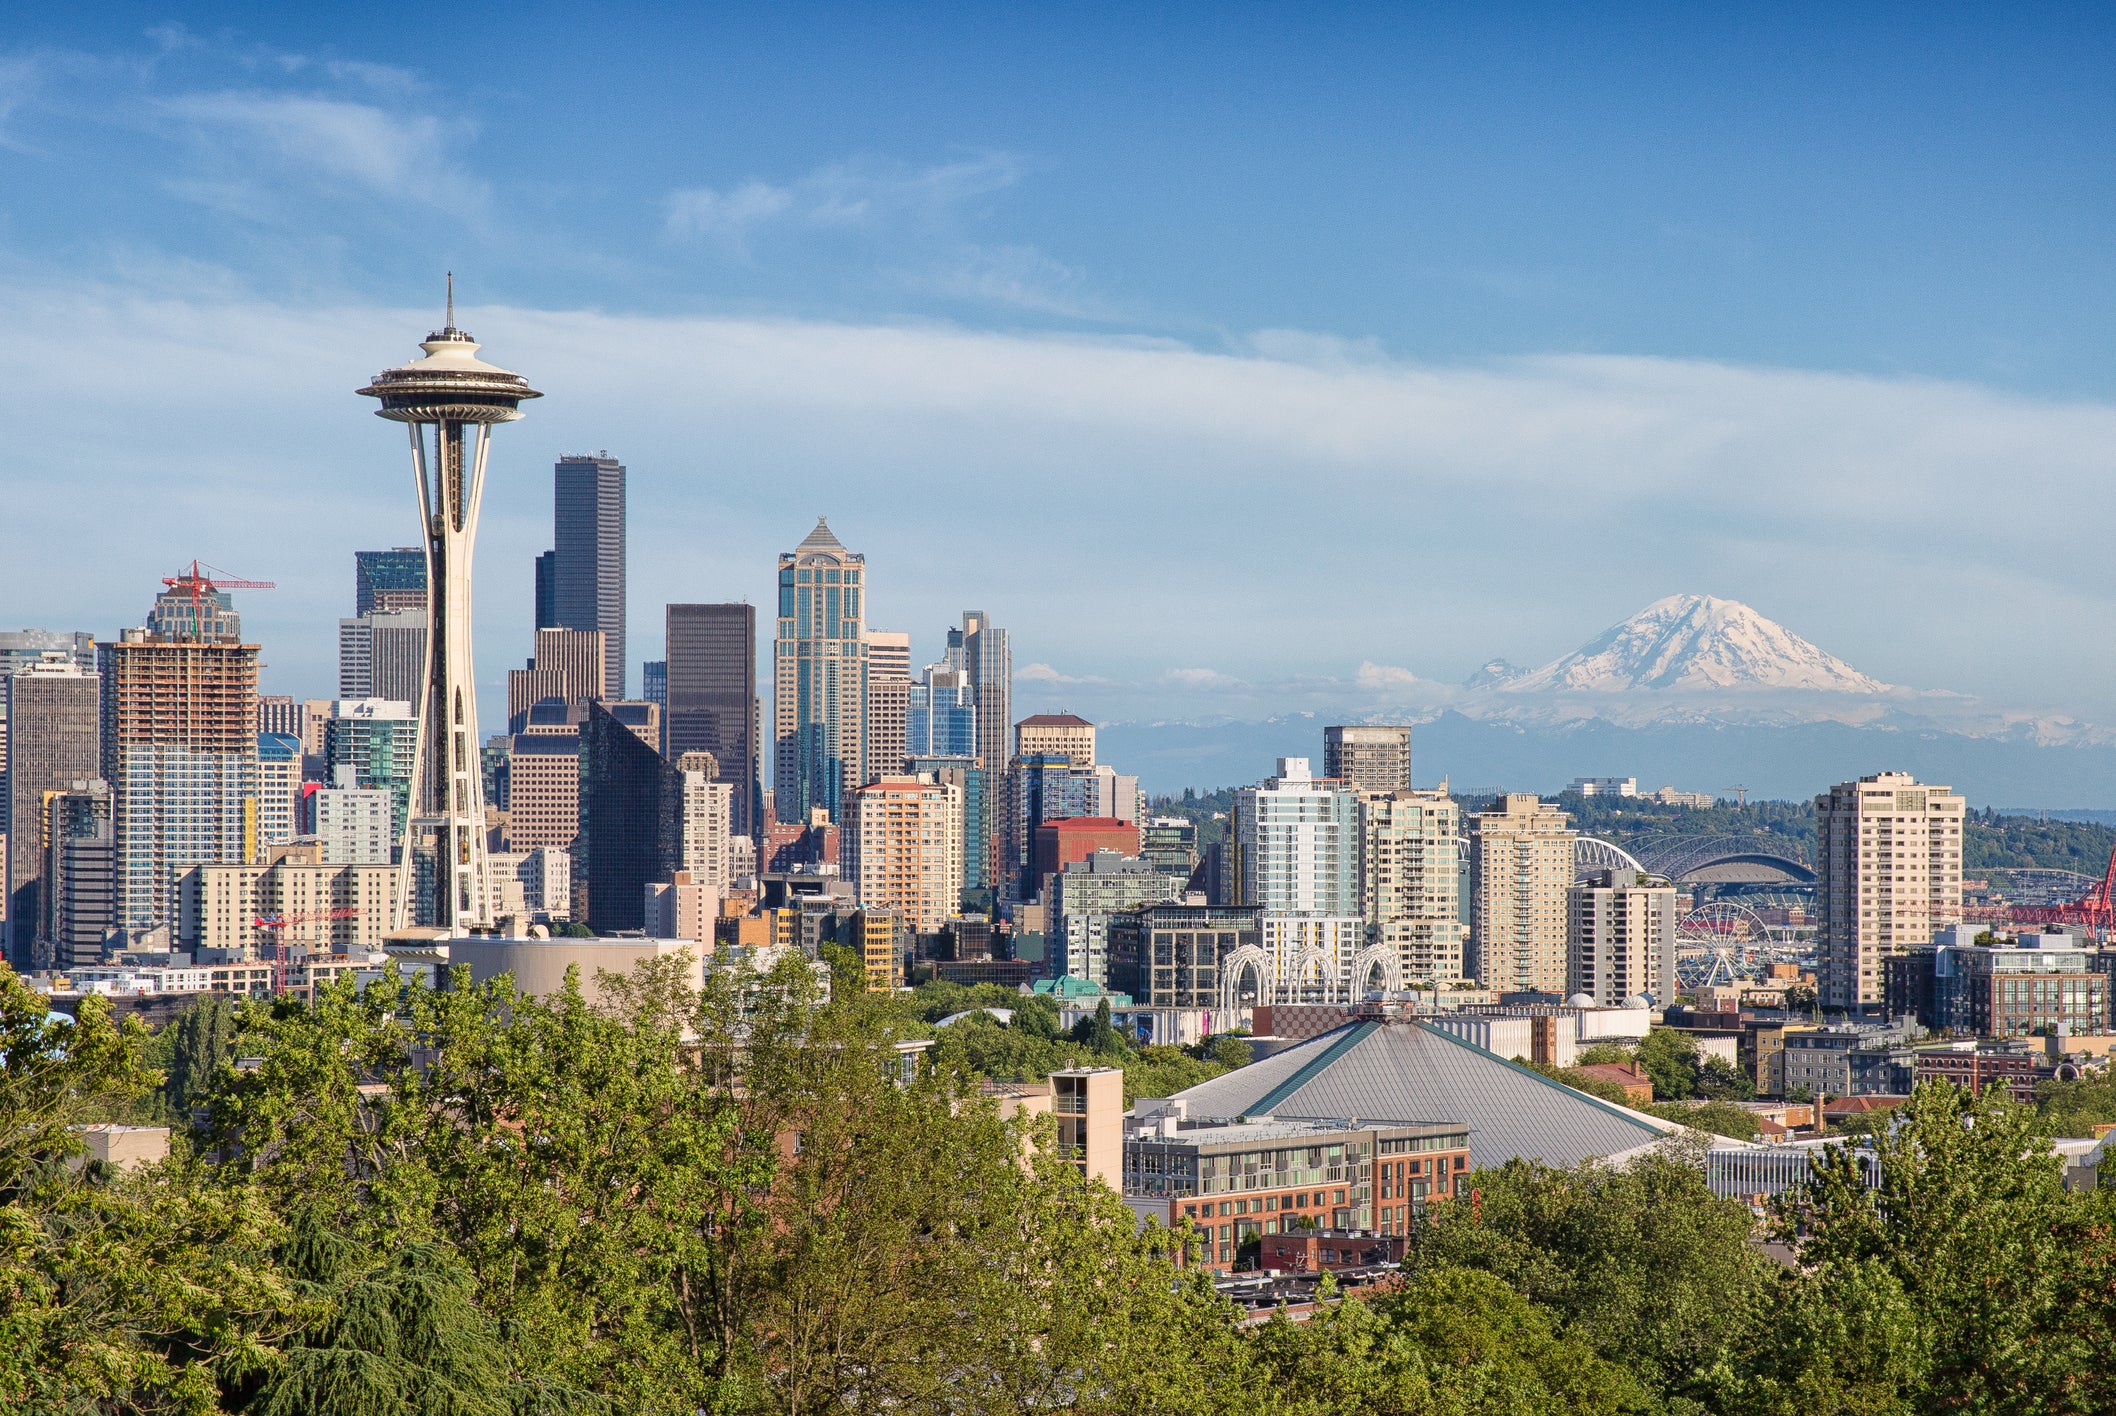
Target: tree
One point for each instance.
(1644, 1264)
(1960, 1209)
(192, 1048)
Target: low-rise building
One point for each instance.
(1848, 1060)
(1086, 894)
(1969, 981)
(1239, 1180)
(1172, 955)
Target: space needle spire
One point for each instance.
(458, 397)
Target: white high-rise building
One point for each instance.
(1520, 871)
(1888, 874)
(1620, 938)
(278, 788)
(1296, 844)
(1313, 958)
(1410, 866)
(707, 851)
(353, 824)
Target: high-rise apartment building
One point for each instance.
(179, 749)
(967, 776)
(1410, 880)
(19, 648)
(984, 654)
(368, 744)
(631, 821)
(1056, 735)
(706, 850)
(52, 710)
(905, 849)
(1620, 938)
(322, 906)
(940, 717)
(352, 825)
(382, 654)
(1888, 875)
(569, 666)
(885, 737)
(278, 788)
(1296, 844)
(1169, 844)
(1520, 871)
(712, 699)
(79, 885)
(588, 546)
(389, 580)
(1040, 788)
(819, 666)
(1371, 758)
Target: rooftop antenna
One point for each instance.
(451, 321)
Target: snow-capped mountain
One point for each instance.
(1692, 644)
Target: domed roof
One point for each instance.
(1580, 1000)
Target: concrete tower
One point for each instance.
(459, 397)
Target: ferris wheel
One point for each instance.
(1719, 943)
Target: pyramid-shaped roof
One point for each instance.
(821, 538)
(1402, 1070)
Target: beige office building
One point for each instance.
(888, 702)
(568, 666)
(1620, 938)
(1056, 735)
(1372, 758)
(1520, 872)
(707, 850)
(1888, 873)
(1410, 866)
(543, 787)
(905, 848)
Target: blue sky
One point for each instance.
(1240, 358)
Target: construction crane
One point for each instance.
(1741, 795)
(278, 925)
(2096, 909)
(196, 583)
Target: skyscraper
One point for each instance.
(820, 677)
(369, 744)
(1373, 759)
(631, 822)
(707, 811)
(391, 580)
(460, 397)
(51, 712)
(179, 749)
(568, 666)
(712, 699)
(1620, 938)
(19, 648)
(888, 702)
(654, 688)
(79, 884)
(989, 662)
(940, 719)
(1296, 844)
(1410, 881)
(588, 550)
(1520, 870)
(1888, 875)
(1060, 735)
(382, 654)
(547, 590)
(278, 788)
(904, 844)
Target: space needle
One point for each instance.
(460, 397)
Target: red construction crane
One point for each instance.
(278, 923)
(196, 583)
(2096, 909)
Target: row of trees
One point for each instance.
(472, 1201)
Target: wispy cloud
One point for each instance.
(333, 145)
(1044, 673)
(1020, 277)
(1203, 679)
(861, 194)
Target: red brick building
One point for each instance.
(1074, 838)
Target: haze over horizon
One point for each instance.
(1235, 362)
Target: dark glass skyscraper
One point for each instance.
(631, 822)
(588, 549)
(52, 716)
(546, 591)
(711, 683)
(389, 580)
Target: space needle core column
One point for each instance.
(459, 397)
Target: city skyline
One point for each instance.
(1818, 343)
